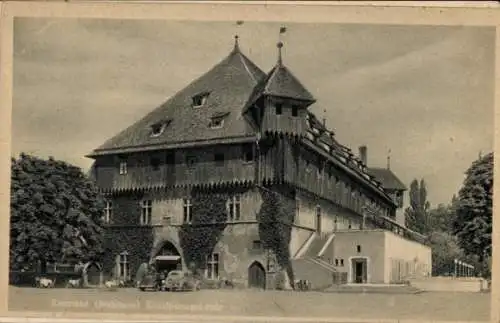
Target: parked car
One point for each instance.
(178, 280)
(150, 282)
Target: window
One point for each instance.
(123, 167)
(256, 245)
(219, 159)
(248, 155)
(336, 262)
(158, 128)
(155, 162)
(146, 212)
(200, 100)
(170, 158)
(234, 208)
(187, 211)
(108, 211)
(190, 160)
(212, 271)
(216, 123)
(342, 262)
(123, 266)
(358, 248)
(320, 169)
(279, 109)
(349, 224)
(295, 111)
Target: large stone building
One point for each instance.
(235, 176)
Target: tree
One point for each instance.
(417, 214)
(56, 213)
(473, 223)
(445, 250)
(442, 217)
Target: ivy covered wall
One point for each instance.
(275, 219)
(124, 234)
(208, 221)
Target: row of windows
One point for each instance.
(278, 108)
(233, 209)
(211, 271)
(190, 160)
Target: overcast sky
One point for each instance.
(425, 93)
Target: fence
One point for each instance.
(27, 278)
(339, 278)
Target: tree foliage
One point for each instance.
(442, 217)
(445, 250)
(417, 214)
(473, 223)
(56, 213)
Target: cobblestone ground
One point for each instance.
(425, 306)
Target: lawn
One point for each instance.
(424, 306)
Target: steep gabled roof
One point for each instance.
(388, 179)
(227, 87)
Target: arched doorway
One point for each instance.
(168, 249)
(256, 276)
(92, 274)
(166, 257)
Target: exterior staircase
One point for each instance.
(309, 263)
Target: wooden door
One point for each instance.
(256, 276)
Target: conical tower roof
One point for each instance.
(228, 86)
(281, 82)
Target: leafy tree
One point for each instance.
(442, 217)
(473, 223)
(417, 214)
(445, 249)
(55, 213)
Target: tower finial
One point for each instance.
(280, 59)
(236, 37)
(280, 45)
(324, 118)
(236, 43)
(389, 159)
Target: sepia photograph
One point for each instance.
(252, 168)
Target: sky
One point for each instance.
(424, 93)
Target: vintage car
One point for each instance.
(154, 274)
(178, 280)
(150, 281)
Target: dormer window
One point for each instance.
(158, 128)
(217, 120)
(200, 100)
(217, 123)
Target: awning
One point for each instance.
(168, 258)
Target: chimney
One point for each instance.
(362, 154)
